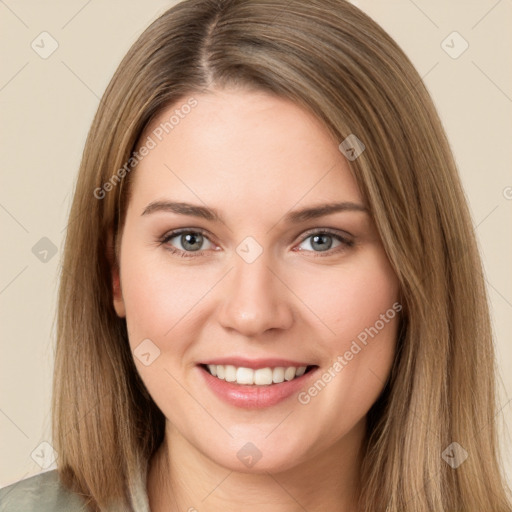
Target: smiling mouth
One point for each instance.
(257, 377)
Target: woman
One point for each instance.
(272, 295)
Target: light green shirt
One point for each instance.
(42, 492)
(45, 493)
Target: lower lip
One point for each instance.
(254, 397)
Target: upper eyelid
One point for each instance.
(329, 231)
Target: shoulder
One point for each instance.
(41, 493)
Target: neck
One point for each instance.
(188, 480)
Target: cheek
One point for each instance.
(362, 314)
(353, 299)
(157, 296)
(158, 301)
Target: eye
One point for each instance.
(325, 241)
(186, 241)
(191, 242)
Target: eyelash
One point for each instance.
(345, 242)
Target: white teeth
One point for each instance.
(230, 374)
(263, 377)
(300, 371)
(289, 373)
(244, 376)
(259, 377)
(278, 375)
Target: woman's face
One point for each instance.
(229, 258)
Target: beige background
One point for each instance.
(47, 106)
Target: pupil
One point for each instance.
(322, 245)
(189, 240)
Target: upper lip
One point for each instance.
(255, 364)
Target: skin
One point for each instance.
(254, 157)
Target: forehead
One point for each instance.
(249, 145)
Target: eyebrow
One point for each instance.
(293, 217)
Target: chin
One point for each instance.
(257, 456)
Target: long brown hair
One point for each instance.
(331, 58)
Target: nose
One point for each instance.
(256, 299)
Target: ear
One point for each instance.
(117, 293)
